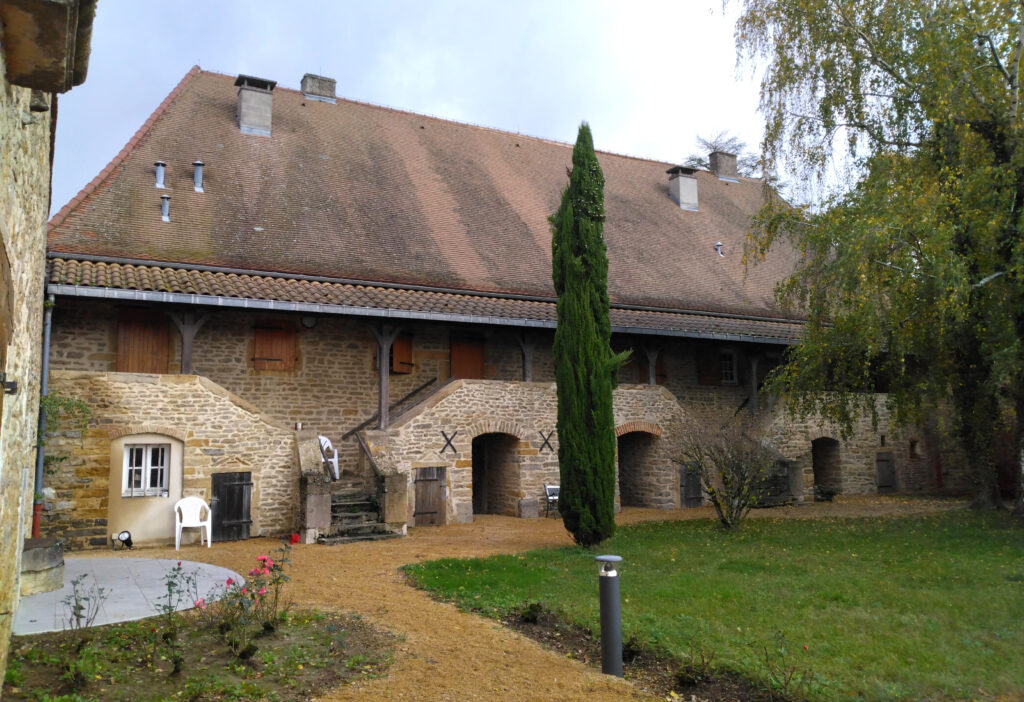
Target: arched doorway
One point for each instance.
(636, 467)
(496, 484)
(826, 465)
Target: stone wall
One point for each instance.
(24, 201)
(334, 387)
(335, 384)
(523, 414)
(913, 450)
(221, 433)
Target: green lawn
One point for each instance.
(915, 608)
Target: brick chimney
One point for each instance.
(319, 88)
(255, 104)
(682, 187)
(723, 165)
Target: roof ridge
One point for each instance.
(473, 125)
(91, 186)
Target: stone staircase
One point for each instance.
(355, 515)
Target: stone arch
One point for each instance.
(644, 427)
(118, 432)
(496, 478)
(637, 461)
(826, 463)
(498, 426)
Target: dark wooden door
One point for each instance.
(689, 481)
(232, 498)
(467, 358)
(429, 496)
(886, 472)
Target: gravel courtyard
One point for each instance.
(442, 653)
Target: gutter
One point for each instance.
(378, 313)
(44, 390)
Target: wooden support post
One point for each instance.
(386, 335)
(652, 365)
(528, 346)
(188, 323)
(754, 360)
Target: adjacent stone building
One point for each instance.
(263, 265)
(44, 49)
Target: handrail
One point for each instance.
(366, 450)
(376, 415)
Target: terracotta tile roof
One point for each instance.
(356, 191)
(69, 276)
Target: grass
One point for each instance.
(306, 655)
(909, 608)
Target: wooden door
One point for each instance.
(692, 491)
(886, 472)
(142, 342)
(429, 496)
(232, 498)
(467, 358)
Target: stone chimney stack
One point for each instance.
(319, 88)
(682, 187)
(723, 165)
(255, 104)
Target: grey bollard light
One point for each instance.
(611, 616)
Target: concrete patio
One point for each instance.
(133, 589)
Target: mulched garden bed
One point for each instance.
(308, 653)
(654, 673)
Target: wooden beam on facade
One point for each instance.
(188, 324)
(385, 335)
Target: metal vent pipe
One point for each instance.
(160, 167)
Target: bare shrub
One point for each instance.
(734, 468)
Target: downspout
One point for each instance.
(44, 387)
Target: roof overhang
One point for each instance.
(46, 43)
(729, 328)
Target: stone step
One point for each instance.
(348, 493)
(349, 518)
(354, 528)
(335, 540)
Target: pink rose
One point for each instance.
(262, 591)
(230, 581)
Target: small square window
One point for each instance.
(727, 360)
(146, 472)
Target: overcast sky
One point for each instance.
(648, 76)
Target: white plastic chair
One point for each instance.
(330, 454)
(188, 512)
(550, 499)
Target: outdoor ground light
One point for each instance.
(125, 537)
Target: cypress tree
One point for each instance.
(585, 366)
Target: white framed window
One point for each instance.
(146, 470)
(730, 374)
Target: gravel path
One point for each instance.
(445, 654)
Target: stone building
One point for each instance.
(44, 50)
(261, 265)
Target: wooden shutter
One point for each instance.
(660, 376)
(401, 355)
(143, 340)
(467, 358)
(709, 366)
(273, 349)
